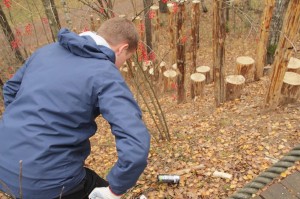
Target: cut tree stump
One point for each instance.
(294, 65)
(290, 89)
(245, 67)
(234, 86)
(267, 70)
(197, 85)
(205, 70)
(169, 79)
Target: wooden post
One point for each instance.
(169, 79)
(195, 33)
(245, 67)
(92, 23)
(290, 89)
(197, 85)
(283, 53)
(171, 28)
(162, 69)
(219, 35)
(155, 23)
(261, 50)
(205, 70)
(138, 21)
(294, 65)
(234, 86)
(180, 54)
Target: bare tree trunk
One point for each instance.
(284, 51)
(195, 33)
(54, 10)
(147, 5)
(275, 29)
(51, 13)
(9, 35)
(67, 13)
(261, 50)
(163, 8)
(180, 54)
(227, 13)
(204, 8)
(219, 34)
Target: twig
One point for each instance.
(61, 193)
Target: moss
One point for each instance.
(271, 49)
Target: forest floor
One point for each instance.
(240, 137)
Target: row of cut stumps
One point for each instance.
(234, 84)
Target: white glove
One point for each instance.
(103, 193)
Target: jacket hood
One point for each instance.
(84, 46)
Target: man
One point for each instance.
(50, 107)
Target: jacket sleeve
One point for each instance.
(11, 87)
(119, 108)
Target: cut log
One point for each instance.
(290, 89)
(234, 86)
(294, 65)
(245, 67)
(125, 73)
(162, 66)
(197, 85)
(169, 79)
(205, 70)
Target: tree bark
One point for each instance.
(219, 35)
(195, 33)
(261, 50)
(171, 28)
(204, 8)
(52, 19)
(147, 5)
(275, 28)
(284, 51)
(67, 13)
(9, 35)
(180, 54)
(163, 8)
(55, 13)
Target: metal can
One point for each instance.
(166, 178)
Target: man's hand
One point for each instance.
(103, 193)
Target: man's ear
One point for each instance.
(122, 47)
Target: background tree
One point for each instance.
(219, 34)
(9, 35)
(261, 50)
(284, 52)
(52, 16)
(147, 5)
(275, 28)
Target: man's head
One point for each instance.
(122, 36)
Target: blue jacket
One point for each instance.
(51, 103)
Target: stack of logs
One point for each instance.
(244, 73)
